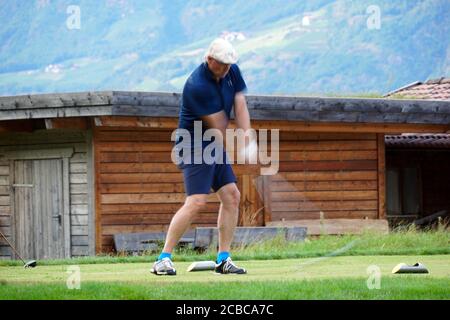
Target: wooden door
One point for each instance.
(39, 208)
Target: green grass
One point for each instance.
(406, 241)
(324, 278)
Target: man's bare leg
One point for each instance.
(229, 197)
(183, 219)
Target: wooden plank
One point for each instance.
(324, 195)
(78, 178)
(135, 147)
(5, 251)
(79, 220)
(139, 177)
(5, 210)
(125, 209)
(142, 188)
(136, 242)
(5, 221)
(79, 209)
(138, 167)
(79, 230)
(324, 185)
(327, 155)
(298, 136)
(130, 121)
(54, 100)
(78, 251)
(337, 226)
(149, 198)
(5, 190)
(6, 231)
(4, 200)
(328, 145)
(4, 181)
(136, 136)
(135, 156)
(326, 214)
(328, 165)
(91, 187)
(381, 177)
(78, 167)
(267, 198)
(307, 126)
(325, 176)
(98, 181)
(55, 112)
(207, 237)
(4, 170)
(113, 229)
(154, 218)
(324, 205)
(79, 188)
(67, 123)
(79, 199)
(79, 241)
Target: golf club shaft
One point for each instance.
(12, 247)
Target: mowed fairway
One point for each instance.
(343, 277)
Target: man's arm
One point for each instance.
(241, 114)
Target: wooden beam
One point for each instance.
(294, 126)
(381, 177)
(267, 197)
(67, 123)
(98, 206)
(137, 122)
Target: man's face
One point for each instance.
(218, 68)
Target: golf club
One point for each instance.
(29, 264)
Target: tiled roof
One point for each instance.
(431, 141)
(437, 89)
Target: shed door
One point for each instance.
(38, 208)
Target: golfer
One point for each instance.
(208, 96)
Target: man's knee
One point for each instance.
(196, 203)
(231, 198)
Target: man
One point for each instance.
(208, 96)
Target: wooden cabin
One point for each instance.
(77, 168)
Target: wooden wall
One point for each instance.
(332, 173)
(139, 188)
(5, 209)
(80, 209)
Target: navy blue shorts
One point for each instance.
(200, 178)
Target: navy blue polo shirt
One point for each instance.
(203, 95)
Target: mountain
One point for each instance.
(319, 47)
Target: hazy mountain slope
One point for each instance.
(287, 47)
